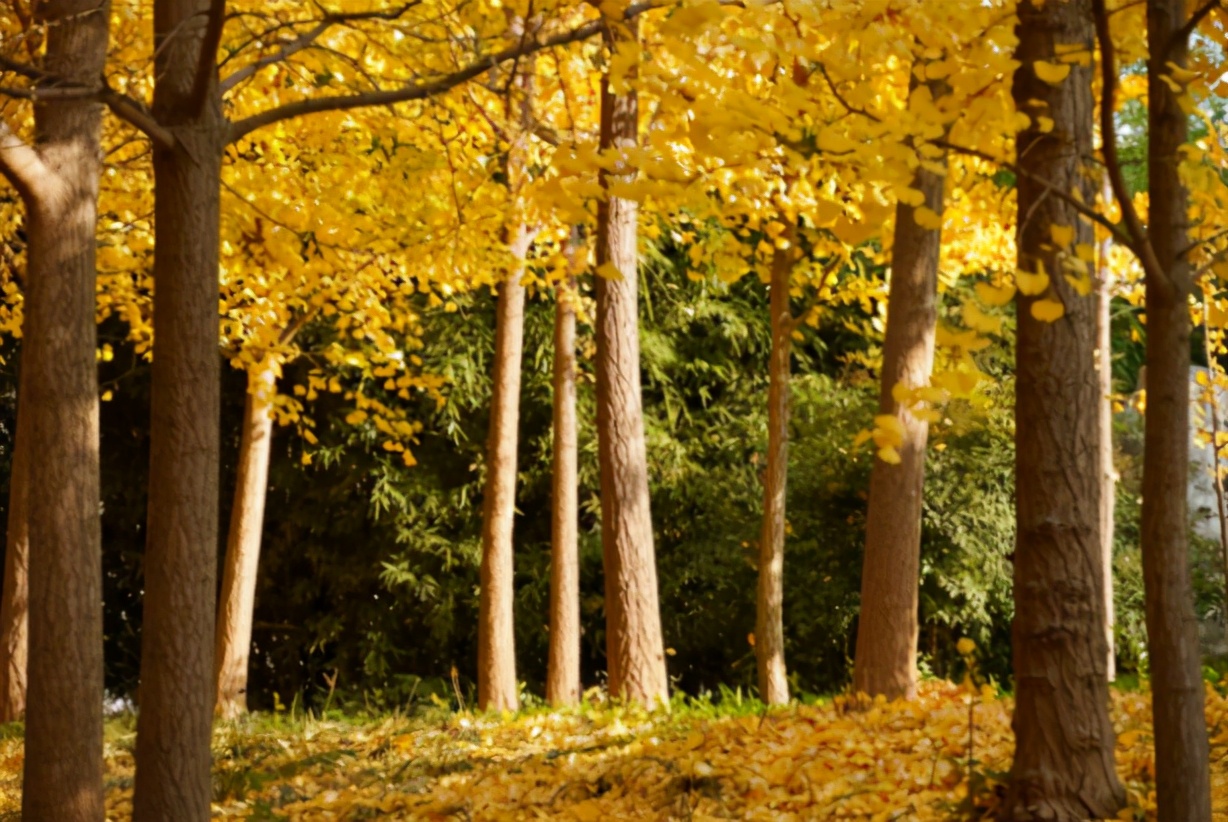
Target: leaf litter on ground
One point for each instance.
(842, 759)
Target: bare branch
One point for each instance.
(1138, 240)
(20, 164)
(206, 61)
(134, 113)
(1182, 34)
(307, 38)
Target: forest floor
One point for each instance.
(834, 760)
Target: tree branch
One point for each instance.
(134, 113)
(20, 164)
(307, 38)
(422, 90)
(1182, 34)
(1138, 240)
(1051, 190)
(206, 61)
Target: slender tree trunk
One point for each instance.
(563, 666)
(1108, 472)
(496, 631)
(634, 647)
(14, 604)
(886, 655)
(177, 637)
(1182, 767)
(769, 607)
(58, 180)
(1063, 766)
(238, 600)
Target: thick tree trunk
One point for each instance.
(563, 666)
(769, 606)
(886, 655)
(1182, 765)
(175, 721)
(1063, 766)
(634, 647)
(59, 423)
(496, 630)
(1108, 472)
(15, 601)
(238, 599)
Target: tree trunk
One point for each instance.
(176, 692)
(1108, 472)
(1182, 758)
(634, 648)
(496, 630)
(769, 607)
(59, 422)
(238, 599)
(14, 604)
(1063, 766)
(563, 666)
(886, 655)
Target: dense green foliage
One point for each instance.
(368, 580)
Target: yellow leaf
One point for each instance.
(1031, 285)
(1051, 73)
(1062, 235)
(994, 296)
(609, 271)
(978, 320)
(926, 217)
(1048, 310)
(889, 455)
(834, 142)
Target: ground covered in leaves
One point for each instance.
(941, 757)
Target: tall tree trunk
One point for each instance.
(15, 601)
(1063, 767)
(58, 180)
(886, 655)
(1108, 472)
(563, 666)
(769, 606)
(496, 631)
(1182, 765)
(237, 603)
(634, 647)
(175, 721)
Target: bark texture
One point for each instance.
(1182, 758)
(1108, 472)
(634, 647)
(15, 601)
(769, 606)
(59, 403)
(177, 639)
(886, 655)
(238, 599)
(496, 630)
(1063, 766)
(563, 665)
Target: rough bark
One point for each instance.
(496, 631)
(1108, 472)
(1182, 764)
(58, 180)
(174, 725)
(15, 601)
(886, 655)
(563, 665)
(634, 647)
(769, 606)
(237, 603)
(1063, 766)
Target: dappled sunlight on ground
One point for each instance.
(835, 760)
